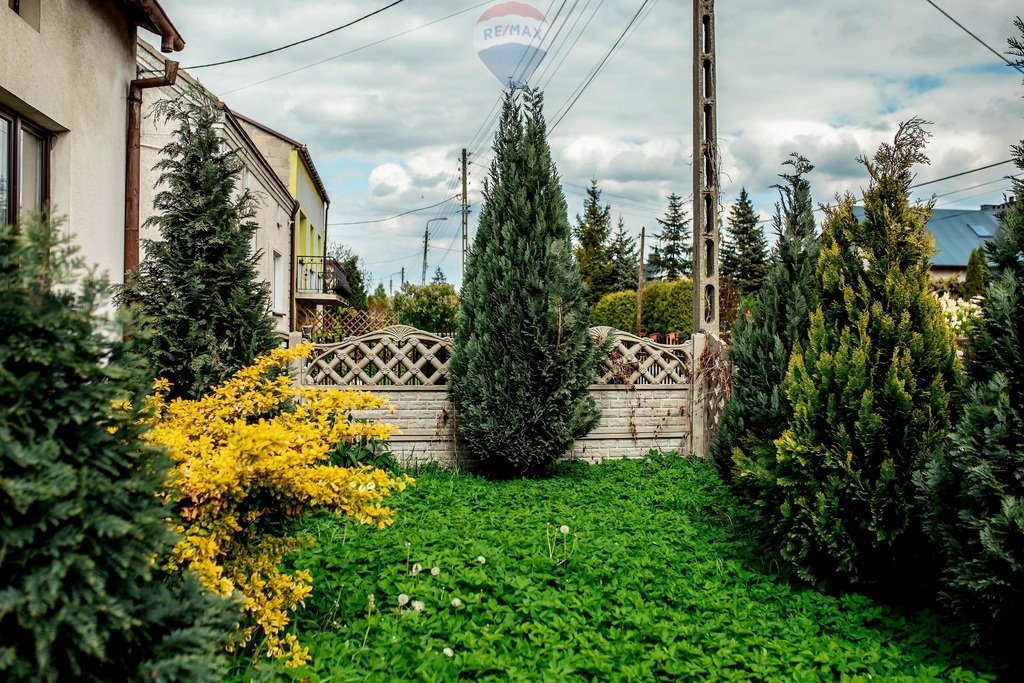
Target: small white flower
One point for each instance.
(407, 544)
(448, 652)
(456, 603)
(416, 569)
(403, 600)
(370, 485)
(435, 571)
(481, 559)
(370, 599)
(564, 529)
(417, 606)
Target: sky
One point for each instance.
(386, 105)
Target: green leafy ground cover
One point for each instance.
(657, 579)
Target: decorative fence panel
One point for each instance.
(645, 392)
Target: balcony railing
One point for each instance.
(320, 275)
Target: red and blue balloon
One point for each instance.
(508, 38)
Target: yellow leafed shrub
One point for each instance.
(249, 455)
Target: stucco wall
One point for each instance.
(72, 77)
(275, 205)
(633, 421)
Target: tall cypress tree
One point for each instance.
(207, 312)
(747, 264)
(763, 339)
(84, 595)
(625, 264)
(974, 492)
(870, 392)
(593, 232)
(523, 361)
(674, 255)
(974, 282)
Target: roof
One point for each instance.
(302, 149)
(151, 16)
(957, 232)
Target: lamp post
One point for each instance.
(426, 234)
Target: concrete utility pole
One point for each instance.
(426, 238)
(465, 211)
(705, 171)
(640, 283)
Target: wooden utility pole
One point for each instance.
(465, 211)
(640, 284)
(705, 171)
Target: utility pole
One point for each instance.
(705, 171)
(426, 238)
(465, 211)
(403, 276)
(640, 283)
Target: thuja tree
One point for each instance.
(974, 282)
(523, 360)
(870, 393)
(84, 595)
(197, 289)
(974, 492)
(763, 338)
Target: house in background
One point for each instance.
(320, 283)
(66, 68)
(276, 211)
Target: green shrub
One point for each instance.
(668, 307)
(433, 308)
(83, 596)
(870, 393)
(616, 309)
(523, 360)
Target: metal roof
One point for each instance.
(957, 232)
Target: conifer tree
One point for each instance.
(84, 594)
(625, 266)
(763, 339)
(674, 255)
(523, 360)
(974, 282)
(728, 255)
(593, 233)
(870, 392)
(974, 492)
(197, 288)
(747, 264)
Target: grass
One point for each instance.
(657, 578)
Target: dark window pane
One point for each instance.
(31, 179)
(5, 171)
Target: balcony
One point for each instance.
(320, 280)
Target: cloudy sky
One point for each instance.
(387, 105)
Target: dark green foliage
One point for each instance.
(593, 233)
(673, 256)
(658, 580)
(355, 275)
(870, 393)
(433, 307)
(616, 309)
(767, 329)
(974, 284)
(974, 492)
(82, 593)
(625, 259)
(745, 262)
(197, 289)
(523, 360)
(439, 278)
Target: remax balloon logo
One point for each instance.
(508, 39)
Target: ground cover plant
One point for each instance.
(632, 570)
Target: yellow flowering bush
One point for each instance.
(249, 455)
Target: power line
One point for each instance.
(968, 32)
(957, 175)
(357, 49)
(397, 215)
(298, 42)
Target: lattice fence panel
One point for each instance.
(635, 360)
(395, 356)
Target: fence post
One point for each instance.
(698, 397)
(297, 365)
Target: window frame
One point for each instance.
(16, 124)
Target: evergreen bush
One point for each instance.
(769, 325)
(618, 310)
(870, 393)
(197, 288)
(83, 596)
(433, 308)
(523, 359)
(668, 307)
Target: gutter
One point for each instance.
(133, 163)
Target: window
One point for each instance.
(279, 289)
(24, 166)
(27, 10)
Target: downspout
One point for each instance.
(132, 172)
(292, 274)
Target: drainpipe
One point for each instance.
(292, 274)
(132, 173)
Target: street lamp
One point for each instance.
(426, 232)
